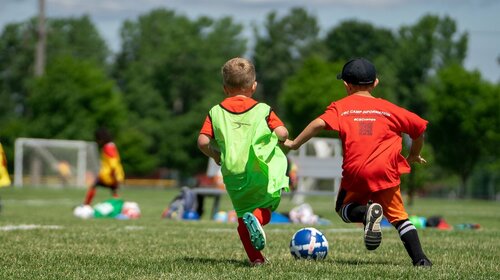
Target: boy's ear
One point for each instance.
(347, 86)
(375, 83)
(254, 86)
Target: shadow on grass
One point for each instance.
(211, 261)
(366, 261)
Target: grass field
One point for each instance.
(53, 244)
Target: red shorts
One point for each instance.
(390, 199)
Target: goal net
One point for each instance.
(55, 163)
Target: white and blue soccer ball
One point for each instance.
(309, 244)
(84, 211)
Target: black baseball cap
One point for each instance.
(358, 71)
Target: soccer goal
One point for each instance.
(55, 163)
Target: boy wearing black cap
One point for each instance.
(370, 129)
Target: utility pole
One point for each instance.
(41, 40)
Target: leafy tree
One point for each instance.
(308, 92)
(353, 39)
(464, 120)
(423, 49)
(280, 48)
(132, 144)
(69, 36)
(72, 99)
(168, 67)
(16, 63)
(77, 37)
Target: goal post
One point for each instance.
(55, 163)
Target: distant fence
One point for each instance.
(318, 159)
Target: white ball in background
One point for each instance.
(84, 212)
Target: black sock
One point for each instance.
(409, 236)
(353, 213)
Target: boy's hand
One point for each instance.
(417, 159)
(289, 144)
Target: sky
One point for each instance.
(479, 18)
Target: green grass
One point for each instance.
(152, 248)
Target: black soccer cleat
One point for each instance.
(373, 231)
(423, 263)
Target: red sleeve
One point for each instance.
(411, 123)
(110, 150)
(207, 128)
(273, 121)
(331, 117)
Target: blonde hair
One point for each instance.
(238, 73)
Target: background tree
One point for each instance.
(460, 120)
(308, 92)
(352, 38)
(280, 46)
(169, 70)
(72, 100)
(77, 37)
(423, 49)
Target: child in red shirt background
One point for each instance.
(371, 132)
(111, 172)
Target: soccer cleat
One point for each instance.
(373, 232)
(257, 234)
(259, 262)
(423, 263)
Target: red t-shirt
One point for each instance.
(239, 104)
(370, 129)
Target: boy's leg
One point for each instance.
(253, 222)
(353, 208)
(349, 208)
(200, 198)
(90, 195)
(254, 255)
(114, 191)
(396, 214)
(409, 236)
(263, 215)
(91, 192)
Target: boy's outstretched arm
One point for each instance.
(416, 147)
(204, 146)
(311, 130)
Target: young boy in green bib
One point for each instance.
(242, 136)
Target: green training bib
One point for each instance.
(253, 165)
